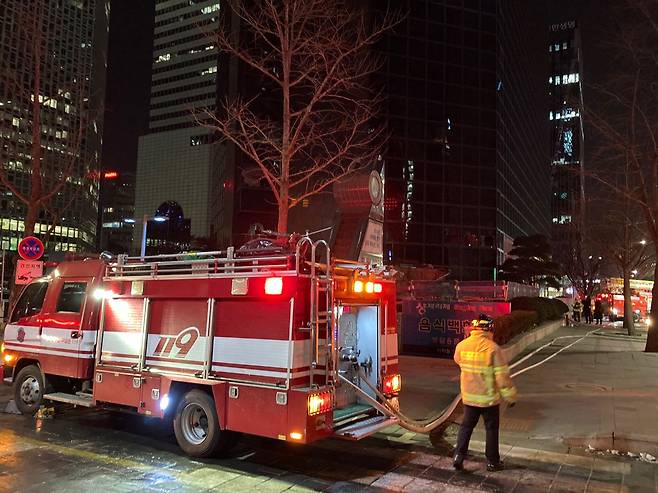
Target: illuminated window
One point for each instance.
(210, 9)
(567, 142)
(565, 219)
(164, 58)
(210, 70)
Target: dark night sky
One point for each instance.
(128, 81)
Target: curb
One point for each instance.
(512, 349)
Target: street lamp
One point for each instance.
(145, 220)
(643, 242)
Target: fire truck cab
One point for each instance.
(268, 341)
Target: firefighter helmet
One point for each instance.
(483, 322)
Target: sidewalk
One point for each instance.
(576, 416)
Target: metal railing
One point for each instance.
(223, 263)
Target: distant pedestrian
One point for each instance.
(577, 309)
(484, 380)
(587, 310)
(598, 312)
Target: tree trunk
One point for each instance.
(652, 336)
(282, 225)
(628, 304)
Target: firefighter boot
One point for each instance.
(458, 463)
(498, 466)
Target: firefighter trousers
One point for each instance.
(491, 416)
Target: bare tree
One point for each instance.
(626, 118)
(622, 237)
(581, 266)
(316, 57)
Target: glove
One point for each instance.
(512, 404)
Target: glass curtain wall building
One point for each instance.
(466, 165)
(68, 52)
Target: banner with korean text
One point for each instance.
(434, 328)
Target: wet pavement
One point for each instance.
(82, 450)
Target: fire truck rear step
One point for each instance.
(78, 399)
(365, 428)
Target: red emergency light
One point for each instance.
(110, 175)
(319, 403)
(274, 285)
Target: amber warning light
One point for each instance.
(367, 287)
(392, 384)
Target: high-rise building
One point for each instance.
(567, 134)
(62, 46)
(466, 166)
(68, 52)
(118, 215)
(175, 162)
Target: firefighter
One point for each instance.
(577, 309)
(485, 379)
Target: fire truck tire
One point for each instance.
(196, 426)
(28, 389)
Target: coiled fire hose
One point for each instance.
(428, 424)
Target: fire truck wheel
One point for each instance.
(28, 389)
(196, 425)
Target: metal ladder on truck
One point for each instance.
(321, 320)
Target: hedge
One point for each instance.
(546, 308)
(506, 327)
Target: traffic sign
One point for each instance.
(27, 270)
(30, 248)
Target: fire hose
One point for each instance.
(429, 424)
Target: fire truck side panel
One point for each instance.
(255, 410)
(177, 335)
(151, 394)
(252, 341)
(122, 332)
(117, 387)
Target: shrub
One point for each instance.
(546, 308)
(506, 327)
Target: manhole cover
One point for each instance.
(586, 387)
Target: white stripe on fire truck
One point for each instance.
(53, 352)
(260, 373)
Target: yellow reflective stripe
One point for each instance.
(475, 371)
(500, 369)
(508, 391)
(473, 355)
(475, 368)
(481, 399)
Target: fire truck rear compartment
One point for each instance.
(358, 349)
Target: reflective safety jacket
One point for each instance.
(577, 307)
(485, 376)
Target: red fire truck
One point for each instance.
(270, 340)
